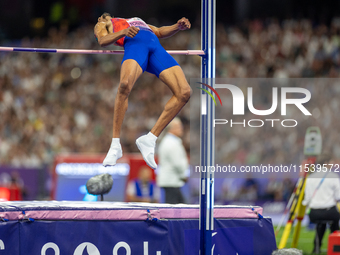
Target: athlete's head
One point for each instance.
(104, 17)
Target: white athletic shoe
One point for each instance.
(147, 148)
(113, 155)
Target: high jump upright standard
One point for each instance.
(207, 146)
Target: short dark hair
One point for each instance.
(105, 14)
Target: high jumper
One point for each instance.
(143, 52)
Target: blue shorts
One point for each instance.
(146, 49)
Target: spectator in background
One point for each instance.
(321, 195)
(16, 187)
(12, 187)
(287, 189)
(173, 163)
(274, 190)
(5, 193)
(230, 188)
(143, 189)
(249, 190)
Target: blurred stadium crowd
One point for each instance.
(53, 103)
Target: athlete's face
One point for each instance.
(101, 19)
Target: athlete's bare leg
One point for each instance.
(129, 73)
(174, 78)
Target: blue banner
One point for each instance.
(168, 237)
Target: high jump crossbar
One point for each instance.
(75, 51)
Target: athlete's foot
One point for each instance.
(146, 144)
(114, 153)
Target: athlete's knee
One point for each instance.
(185, 94)
(124, 87)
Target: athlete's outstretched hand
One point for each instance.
(131, 31)
(183, 24)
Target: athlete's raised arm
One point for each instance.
(167, 31)
(105, 38)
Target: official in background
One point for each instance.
(321, 195)
(173, 163)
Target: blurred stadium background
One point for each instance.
(53, 104)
